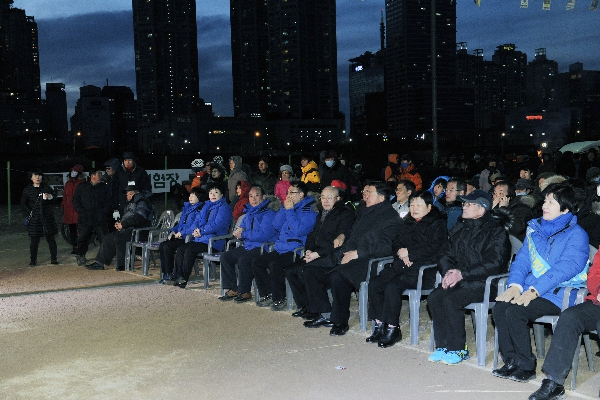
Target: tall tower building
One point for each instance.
(510, 76)
(56, 105)
(284, 58)
(541, 82)
(166, 58)
(408, 62)
(19, 54)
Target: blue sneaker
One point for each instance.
(438, 354)
(455, 357)
(165, 279)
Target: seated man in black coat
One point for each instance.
(138, 214)
(333, 225)
(371, 237)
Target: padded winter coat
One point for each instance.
(92, 203)
(214, 220)
(310, 176)
(69, 212)
(189, 213)
(294, 225)
(257, 225)
(124, 178)
(563, 244)
(138, 212)
(42, 221)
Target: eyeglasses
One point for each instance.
(329, 197)
(368, 191)
(292, 193)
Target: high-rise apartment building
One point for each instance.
(510, 76)
(366, 77)
(56, 106)
(284, 58)
(541, 82)
(166, 58)
(408, 62)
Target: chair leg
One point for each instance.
(145, 261)
(431, 338)
(588, 351)
(540, 342)
(206, 273)
(196, 268)
(363, 298)
(481, 318)
(256, 294)
(575, 364)
(496, 350)
(414, 303)
(128, 257)
(289, 295)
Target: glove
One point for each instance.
(509, 294)
(116, 214)
(526, 297)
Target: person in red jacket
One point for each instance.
(76, 176)
(572, 323)
(242, 190)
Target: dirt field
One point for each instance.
(70, 333)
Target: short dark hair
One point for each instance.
(381, 188)
(566, 197)
(525, 167)
(409, 185)
(422, 194)
(215, 185)
(301, 186)
(510, 188)
(199, 192)
(96, 169)
(36, 171)
(440, 181)
(461, 184)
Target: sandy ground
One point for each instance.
(70, 333)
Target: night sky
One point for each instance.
(88, 42)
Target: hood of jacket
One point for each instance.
(245, 186)
(274, 202)
(393, 159)
(237, 160)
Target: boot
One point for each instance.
(390, 337)
(377, 333)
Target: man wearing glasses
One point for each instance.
(332, 227)
(456, 187)
(376, 225)
(294, 221)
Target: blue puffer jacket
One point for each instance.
(258, 225)
(294, 225)
(185, 225)
(564, 246)
(214, 220)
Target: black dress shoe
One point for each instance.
(339, 330)
(317, 322)
(507, 369)
(549, 390)
(522, 375)
(95, 266)
(376, 335)
(390, 337)
(301, 312)
(119, 268)
(311, 315)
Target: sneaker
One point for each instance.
(438, 354)
(454, 357)
(279, 305)
(243, 297)
(265, 301)
(549, 390)
(229, 295)
(166, 279)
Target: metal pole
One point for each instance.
(434, 83)
(8, 182)
(166, 193)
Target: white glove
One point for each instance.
(116, 215)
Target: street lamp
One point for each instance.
(256, 135)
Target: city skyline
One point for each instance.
(92, 43)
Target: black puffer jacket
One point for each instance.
(42, 221)
(371, 236)
(338, 220)
(423, 239)
(92, 203)
(138, 176)
(139, 212)
(478, 248)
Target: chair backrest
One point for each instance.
(593, 252)
(177, 218)
(166, 220)
(515, 246)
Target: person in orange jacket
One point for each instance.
(409, 171)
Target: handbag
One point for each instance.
(26, 223)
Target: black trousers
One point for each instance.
(85, 234)
(446, 307)
(243, 258)
(166, 251)
(318, 280)
(114, 244)
(34, 242)
(185, 257)
(294, 273)
(512, 322)
(385, 295)
(73, 235)
(269, 274)
(572, 323)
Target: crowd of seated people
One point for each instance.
(462, 224)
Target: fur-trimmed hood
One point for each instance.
(504, 217)
(274, 202)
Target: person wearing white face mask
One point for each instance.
(332, 170)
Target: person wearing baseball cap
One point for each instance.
(478, 247)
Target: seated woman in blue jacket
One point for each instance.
(214, 220)
(185, 226)
(555, 250)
